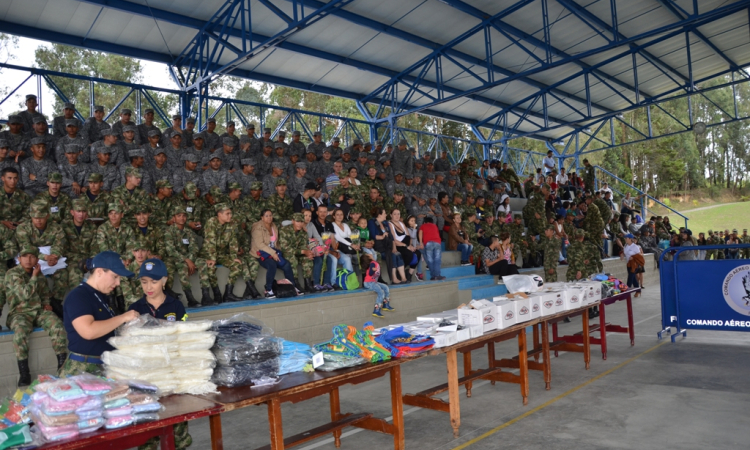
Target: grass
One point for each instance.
(724, 217)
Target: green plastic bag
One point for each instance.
(15, 435)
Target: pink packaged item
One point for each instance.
(118, 391)
(66, 389)
(91, 384)
(55, 433)
(52, 407)
(119, 422)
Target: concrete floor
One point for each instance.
(655, 395)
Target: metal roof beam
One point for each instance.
(587, 17)
(417, 40)
(522, 35)
(671, 7)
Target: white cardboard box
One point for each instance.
(576, 297)
(547, 303)
(463, 335)
(561, 296)
(535, 305)
(476, 330)
(523, 309)
(507, 313)
(451, 315)
(445, 339)
(481, 312)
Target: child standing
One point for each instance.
(371, 284)
(364, 238)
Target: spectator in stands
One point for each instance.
(313, 235)
(411, 227)
(264, 247)
(627, 204)
(634, 256)
(344, 244)
(498, 257)
(326, 232)
(504, 207)
(403, 245)
(380, 233)
(549, 163)
(459, 240)
(429, 238)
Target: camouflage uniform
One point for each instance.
(588, 177)
(41, 170)
(15, 208)
(291, 243)
(130, 200)
(593, 226)
(80, 244)
(534, 207)
(27, 296)
(53, 236)
(9, 251)
(97, 206)
(131, 287)
(577, 257)
(281, 207)
(110, 238)
(178, 246)
(60, 207)
(604, 210)
(220, 244)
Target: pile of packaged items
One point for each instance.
(295, 356)
(175, 356)
(610, 285)
(68, 407)
(246, 352)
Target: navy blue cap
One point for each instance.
(629, 236)
(154, 269)
(111, 261)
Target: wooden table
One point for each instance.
(603, 327)
(494, 372)
(300, 386)
(178, 408)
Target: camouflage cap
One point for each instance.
(228, 141)
(163, 184)
(199, 136)
(372, 157)
(178, 209)
(398, 192)
(336, 139)
(98, 108)
(300, 165)
(13, 119)
(215, 191)
(4, 143)
(317, 133)
(79, 204)
(215, 155)
(38, 141)
(277, 165)
(298, 217)
(282, 133)
(343, 174)
(279, 145)
(545, 186)
(266, 130)
(296, 133)
(430, 176)
(55, 177)
(710, 231)
(70, 148)
(190, 156)
(247, 161)
(69, 105)
(39, 119)
(517, 216)
(126, 111)
(141, 207)
(160, 151)
(29, 250)
(95, 177)
(38, 209)
(211, 120)
(250, 126)
(280, 182)
(268, 144)
(153, 133)
(116, 207)
(580, 233)
(139, 243)
(137, 153)
(409, 176)
(148, 111)
(256, 186)
(107, 132)
(176, 117)
(190, 188)
(190, 120)
(234, 186)
(362, 155)
(133, 172)
(219, 207)
(71, 122)
(128, 128)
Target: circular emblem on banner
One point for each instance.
(736, 289)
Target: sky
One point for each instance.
(155, 74)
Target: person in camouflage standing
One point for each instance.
(551, 246)
(59, 202)
(604, 210)
(520, 246)
(79, 236)
(744, 239)
(29, 306)
(577, 258)
(589, 176)
(8, 252)
(293, 242)
(41, 232)
(181, 250)
(15, 203)
(279, 203)
(533, 212)
(220, 246)
(593, 225)
(711, 240)
(240, 218)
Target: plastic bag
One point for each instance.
(88, 415)
(119, 390)
(89, 425)
(143, 387)
(129, 362)
(196, 345)
(193, 363)
(141, 418)
(203, 336)
(92, 385)
(196, 387)
(119, 422)
(243, 374)
(266, 381)
(142, 399)
(523, 283)
(244, 350)
(243, 324)
(65, 389)
(194, 326)
(15, 436)
(113, 404)
(336, 362)
(146, 325)
(120, 342)
(54, 433)
(147, 408)
(55, 421)
(118, 412)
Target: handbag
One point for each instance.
(263, 256)
(640, 269)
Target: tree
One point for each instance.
(8, 44)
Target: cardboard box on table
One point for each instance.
(451, 315)
(479, 312)
(522, 306)
(445, 339)
(547, 303)
(507, 313)
(576, 297)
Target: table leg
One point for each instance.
(491, 357)
(455, 407)
(397, 409)
(217, 438)
(523, 365)
(274, 423)
(167, 438)
(554, 335)
(335, 413)
(536, 343)
(603, 330)
(467, 371)
(586, 341)
(631, 328)
(545, 355)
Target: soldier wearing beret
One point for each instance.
(29, 306)
(79, 236)
(147, 126)
(216, 174)
(220, 247)
(130, 194)
(103, 167)
(279, 203)
(60, 123)
(40, 231)
(181, 249)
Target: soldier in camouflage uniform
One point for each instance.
(396, 203)
(14, 136)
(147, 126)
(711, 240)
(593, 225)
(5, 159)
(213, 140)
(249, 143)
(231, 128)
(294, 243)
(516, 230)
(35, 170)
(41, 132)
(104, 168)
(59, 202)
(197, 210)
(473, 236)
(296, 184)
(130, 194)
(220, 247)
(175, 129)
(230, 158)
(577, 258)
(588, 176)
(533, 212)
(117, 127)
(255, 203)
(604, 210)
(28, 307)
(74, 173)
(131, 287)
(491, 226)
(296, 147)
(114, 235)
(92, 129)
(79, 236)
(279, 203)
(40, 231)
(72, 137)
(509, 175)
(246, 176)
(181, 250)
(162, 204)
(551, 247)
(401, 159)
(317, 146)
(15, 203)
(96, 199)
(744, 239)
(216, 175)
(8, 252)
(137, 159)
(149, 233)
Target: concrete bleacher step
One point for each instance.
(454, 272)
(450, 258)
(488, 291)
(517, 204)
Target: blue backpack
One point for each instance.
(347, 280)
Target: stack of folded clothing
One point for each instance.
(66, 408)
(245, 350)
(294, 357)
(174, 356)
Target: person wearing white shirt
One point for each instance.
(563, 183)
(605, 188)
(549, 163)
(630, 251)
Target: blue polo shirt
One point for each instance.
(86, 301)
(172, 309)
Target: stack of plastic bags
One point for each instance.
(246, 352)
(68, 407)
(350, 347)
(294, 357)
(175, 356)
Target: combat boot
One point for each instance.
(23, 370)
(61, 360)
(172, 293)
(309, 286)
(229, 294)
(250, 290)
(217, 294)
(191, 301)
(206, 297)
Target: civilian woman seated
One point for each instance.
(498, 257)
(265, 234)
